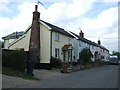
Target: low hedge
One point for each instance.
(55, 62)
(14, 59)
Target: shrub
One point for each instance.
(85, 56)
(15, 60)
(55, 62)
(74, 63)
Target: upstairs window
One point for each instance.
(69, 39)
(92, 47)
(57, 36)
(79, 43)
(57, 52)
(86, 45)
(11, 40)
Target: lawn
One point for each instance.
(10, 72)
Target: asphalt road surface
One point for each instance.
(99, 77)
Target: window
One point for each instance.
(79, 43)
(92, 47)
(57, 52)
(57, 37)
(69, 39)
(89, 46)
(11, 40)
(86, 45)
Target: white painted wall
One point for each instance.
(64, 40)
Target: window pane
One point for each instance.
(58, 53)
(55, 52)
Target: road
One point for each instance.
(99, 77)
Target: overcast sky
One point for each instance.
(97, 18)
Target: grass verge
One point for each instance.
(10, 72)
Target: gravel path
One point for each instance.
(46, 74)
(12, 82)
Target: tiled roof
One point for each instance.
(88, 41)
(82, 39)
(66, 47)
(13, 35)
(54, 28)
(57, 29)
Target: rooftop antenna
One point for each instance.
(40, 3)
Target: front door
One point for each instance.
(70, 55)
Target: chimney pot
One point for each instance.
(99, 42)
(36, 6)
(81, 34)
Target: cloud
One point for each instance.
(19, 22)
(70, 16)
(105, 25)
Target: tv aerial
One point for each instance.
(40, 3)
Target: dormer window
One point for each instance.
(57, 36)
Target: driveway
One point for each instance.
(99, 77)
(12, 82)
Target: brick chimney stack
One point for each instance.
(81, 34)
(34, 46)
(99, 42)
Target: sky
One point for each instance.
(98, 19)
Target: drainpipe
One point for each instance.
(51, 45)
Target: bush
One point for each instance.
(55, 62)
(74, 63)
(15, 60)
(85, 56)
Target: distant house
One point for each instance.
(11, 38)
(97, 50)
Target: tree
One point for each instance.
(85, 56)
(116, 53)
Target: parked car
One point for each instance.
(113, 60)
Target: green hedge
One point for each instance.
(15, 60)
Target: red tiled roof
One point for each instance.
(65, 47)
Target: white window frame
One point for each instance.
(69, 39)
(57, 36)
(57, 52)
(79, 43)
(11, 40)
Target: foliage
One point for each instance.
(15, 60)
(55, 62)
(74, 63)
(117, 54)
(85, 56)
(10, 72)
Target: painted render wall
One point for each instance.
(6, 43)
(59, 44)
(45, 44)
(44, 40)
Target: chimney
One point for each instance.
(81, 34)
(16, 35)
(99, 42)
(34, 45)
(36, 14)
